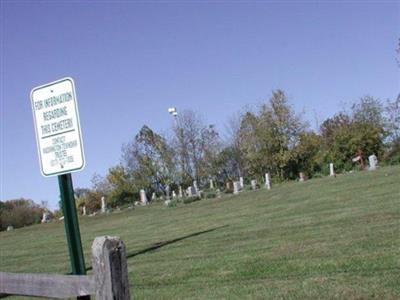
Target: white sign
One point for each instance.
(58, 133)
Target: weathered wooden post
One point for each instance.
(110, 268)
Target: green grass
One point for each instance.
(328, 238)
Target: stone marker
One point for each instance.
(45, 217)
(153, 196)
(236, 187)
(167, 191)
(302, 177)
(211, 184)
(195, 186)
(173, 195)
(331, 170)
(103, 205)
(254, 184)
(167, 202)
(180, 192)
(373, 162)
(143, 197)
(218, 193)
(241, 183)
(10, 228)
(267, 181)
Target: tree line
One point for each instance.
(271, 138)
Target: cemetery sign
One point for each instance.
(58, 132)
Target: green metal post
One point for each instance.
(72, 226)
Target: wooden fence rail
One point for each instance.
(109, 280)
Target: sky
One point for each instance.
(131, 61)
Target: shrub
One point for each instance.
(19, 213)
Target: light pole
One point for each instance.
(172, 111)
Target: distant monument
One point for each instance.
(236, 187)
(267, 181)
(143, 197)
(302, 177)
(331, 170)
(373, 162)
(254, 184)
(103, 205)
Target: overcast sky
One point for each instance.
(131, 61)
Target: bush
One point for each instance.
(19, 213)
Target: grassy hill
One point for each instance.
(328, 238)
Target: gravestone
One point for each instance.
(267, 181)
(167, 191)
(254, 184)
(195, 186)
(189, 191)
(153, 196)
(167, 202)
(45, 217)
(84, 210)
(180, 192)
(241, 183)
(373, 162)
(236, 187)
(143, 197)
(193, 191)
(218, 193)
(103, 205)
(211, 184)
(302, 177)
(10, 228)
(331, 170)
(173, 195)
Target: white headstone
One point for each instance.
(373, 162)
(180, 192)
(196, 188)
(153, 196)
(241, 182)
(167, 191)
(103, 205)
(254, 184)
(167, 202)
(84, 211)
(218, 193)
(331, 170)
(236, 187)
(173, 195)
(143, 197)
(267, 181)
(45, 218)
(211, 184)
(10, 228)
(302, 177)
(189, 191)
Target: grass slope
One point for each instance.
(328, 238)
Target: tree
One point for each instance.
(19, 212)
(267, 139)
(148, 161)
(196, 146)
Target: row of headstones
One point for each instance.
(193, 190)
(239, 185)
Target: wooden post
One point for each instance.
(110, 268)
